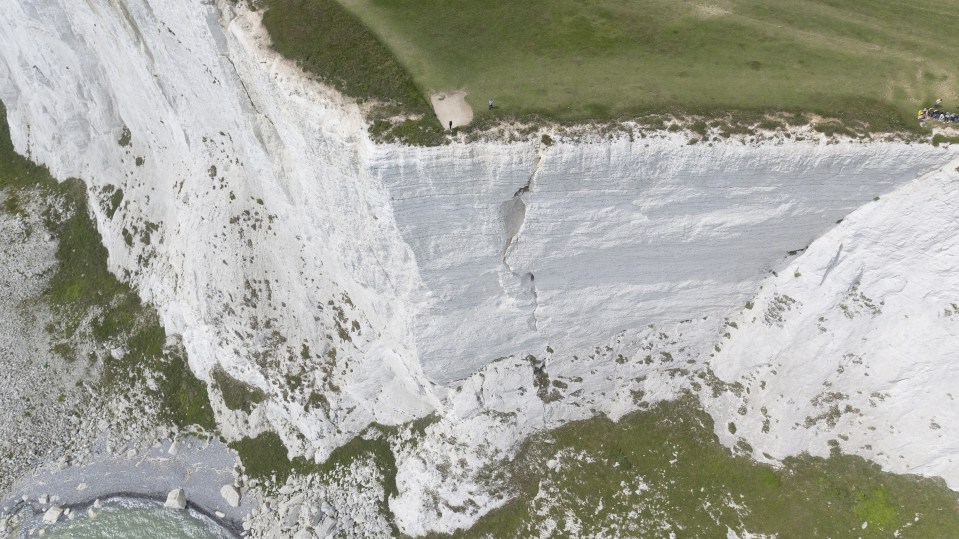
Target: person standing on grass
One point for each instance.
(491, 104)
(938, 103)
(451, 125)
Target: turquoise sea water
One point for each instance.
(129, 518)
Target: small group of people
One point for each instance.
(935, 113)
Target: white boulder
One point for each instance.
(231, 495)
(52, 515)
(176, 499)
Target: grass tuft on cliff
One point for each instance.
(237, 395)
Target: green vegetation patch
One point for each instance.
(265, 456)
(939, 138)
(113, 199)
(664, 470)
(237, 395)
(868, 67)
(183, 397)
(92, 304)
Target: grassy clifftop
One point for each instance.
(572, 61)
(328, 41)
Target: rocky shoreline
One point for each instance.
(200, 468)
(231, 527)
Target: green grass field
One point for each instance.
(569, 60)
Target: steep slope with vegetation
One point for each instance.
(663, 471)
(327, 40)
(98, 332)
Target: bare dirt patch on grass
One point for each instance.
(452, 107)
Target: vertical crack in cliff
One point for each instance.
(256, 131)
(243, 84)
(513, 213)
(832, 264)
(131, 26)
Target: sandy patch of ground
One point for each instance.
(708, 11)
(452, 107)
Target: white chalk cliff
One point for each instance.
(856, 341)
(283, 244)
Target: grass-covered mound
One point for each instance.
(664, 470)
(569, 60)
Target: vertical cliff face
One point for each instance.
(523, 247)
(506, 287)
